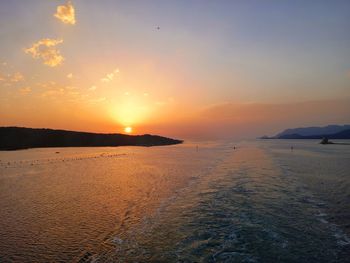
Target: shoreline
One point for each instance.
(102, 146)
(19, 138)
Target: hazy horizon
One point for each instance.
(186, 69)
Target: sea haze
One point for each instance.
(253, 201)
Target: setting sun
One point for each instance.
(128, 129)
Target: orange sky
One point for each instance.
(93, 66)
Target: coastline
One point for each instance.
(18, 138)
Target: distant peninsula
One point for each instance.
(16, 138)
(329, 132)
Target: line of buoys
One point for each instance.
(22, 163)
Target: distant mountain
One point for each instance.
(312, 131)
(13, 138)
(330, 132)
(340, 135)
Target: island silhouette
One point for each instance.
(16, 138)
(329, 132)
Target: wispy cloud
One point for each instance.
(57, 91)
(16, 77)
(66, 13)
(92, 88)
(97, 100)
(70, 76)
(53, 93)
(71, 88)
(46, 50)
(25, 90)
(47, 85)
(110, 76)
(11, 78)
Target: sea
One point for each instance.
(215, 201)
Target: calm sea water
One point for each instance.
(260, 202)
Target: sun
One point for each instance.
(128, 129)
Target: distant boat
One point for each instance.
(325, 141)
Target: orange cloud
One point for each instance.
(46, 50)
(66, 13)
(11, 78)
(16, 77)
(98, 100)
(110, 76)
(25, 91)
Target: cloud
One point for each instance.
(74, 93)
(98, 100)
(71, 88)
(53, 93)
(57, 91)
(47, 85)
(46, 50)
(70, 76)
(25, 91)
(66, 13)
(11, 78)
(92, 88)
(109, 77)
(16, 77)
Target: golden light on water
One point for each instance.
(128, 129)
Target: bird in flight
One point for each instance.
(158, 27)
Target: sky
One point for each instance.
(189, 69)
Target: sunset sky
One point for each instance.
(189, 69)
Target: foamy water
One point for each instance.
(260, 202)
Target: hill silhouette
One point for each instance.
(339, 135)
(313, 131)
(14, 138)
